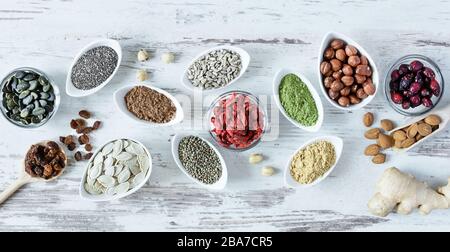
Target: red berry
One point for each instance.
(415, 88)
(415, 101)
(435, 87)
(395, 75)
(416, 66)
(403, 69)
(428, 72)
(406, 105)
(425, 92)
(426, 101)
(397, 98)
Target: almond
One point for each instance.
(368, 119)
(372, 150)
(399, 135)
(433, 120)
(385, 141)
(372, 133)
(424, 129)
(408, 143)
(387, 125)
(379, 159)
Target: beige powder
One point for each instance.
(313, 162)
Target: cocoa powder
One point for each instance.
(150, 105)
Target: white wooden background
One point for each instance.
(47, 33)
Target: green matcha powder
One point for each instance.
(297, 100)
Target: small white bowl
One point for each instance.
(276, 88)
(87, 196)
(71, 90)
(338, 144)
(245, 60)
(375, 76)
(220, 184)
(119, 100)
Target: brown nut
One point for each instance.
(96, 125)
(360, 79)
(328, 81)
(85, 114)
(399, 135)
(408, 143)
(372, 150)
(368, 119)
(379, 159)
(354, 88)
(348, 80)
(398, 144)
(336, 64)
(337, 86)
(344, 101)
(369, 89)
(411, 132)
(354, 99)
(337, 75)
(354, 61)
(424, 129)
(387, 125)
(361, 94)
(385, 141)
(364, 60)
(337, 44)
(347, 70)
(433, 120)
(345, 91)
(333, 95)
(372, 133)
(88, 147)
(83, 139)
(364, 70)
(329, 53)
(340, 55)
(325, 68)
(351, 50)
(419, 137)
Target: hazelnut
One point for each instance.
(336, 64)
(360, 79)
(325, 68)
(337, 44)
(351, 50)
(344, 101)
(143, 55)
(328, 81)
(354, 99)
(337, 75)
(364, 70)
(364, 60)
(337, 86)
(369, 88)
(329, 53)
(142, 75)
(333, 95)
(354, 61)
(354, 88)
(168, 57)
(340, 55)
(345, 91)
(348, 80)
(361, 94)
(347, 70)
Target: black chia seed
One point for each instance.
(94, 67)
(200, 160)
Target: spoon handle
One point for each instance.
(13, 188)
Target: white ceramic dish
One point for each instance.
(119, 100)
(71, 90)
(375, 75)
(245, 59)
(87, 196)
(220, 184)
(443, 113)
(276, 87)
(338, 146)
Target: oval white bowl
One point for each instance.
(338, 144)
(220, 184)
(245, 59)
(375, 75)
(119, 100)
(276, 88)
(71, 90)
(87, 196)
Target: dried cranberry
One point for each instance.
(395, 75)
(407, 93)
(403, 69)
(416, 66)
(394, 85)
(429, 73)
(415, 88)
(426, 101)
(425, 92)
(406, 105)
(435, 87)
(404, 83)
(415, 101)
(397, 98)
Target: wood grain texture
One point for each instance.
(276, 34)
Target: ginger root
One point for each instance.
(401, 191)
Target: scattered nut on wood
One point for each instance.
(267, 171)
(255, 158)
(143, 55)
(142, 75)
(168, 57)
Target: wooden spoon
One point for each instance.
(25, 178)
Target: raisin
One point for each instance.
(96, 125)
(71, 146)
(87, 130)
(88, 156)
(74, 124)
(62, 139)
(80, 122)
(83, 139)
(78, 156)
(85, 114)
(68, 140)
(53, 146)
(88, 147)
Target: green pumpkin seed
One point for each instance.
(30, 107)
(46, 88)
(16, 117)
(41, 117)
(42, 80)
(38, 111)
(51, 98)
(24, 121)
(35, 119)
(24, 113)
(35, 96)
(33, 85)
(49, 108)
(44, 95)
(27, 100)
(36, 104)
(43, 103)
(15, 110)
(10, 104)
(22, 86)
(29, 77)
(9, 96)
(19, 74)
(24, 94)
(16, 100)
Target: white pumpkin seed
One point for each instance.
(96, 171)
(118, 147)
(109, 171)
(122, 188)
(123, 175)
(137, 180)
(144, 162)
(107, 149)
(106, 181)
(90, 181)
(108, 161)
(110, 191)
(118, 169)
(131, 162)
(98, 187)
(135, 169)
(126, 143)
(124, 156)
(98, 159)
(138, 150)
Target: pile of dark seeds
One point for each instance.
(200, 160)
(94, 67)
